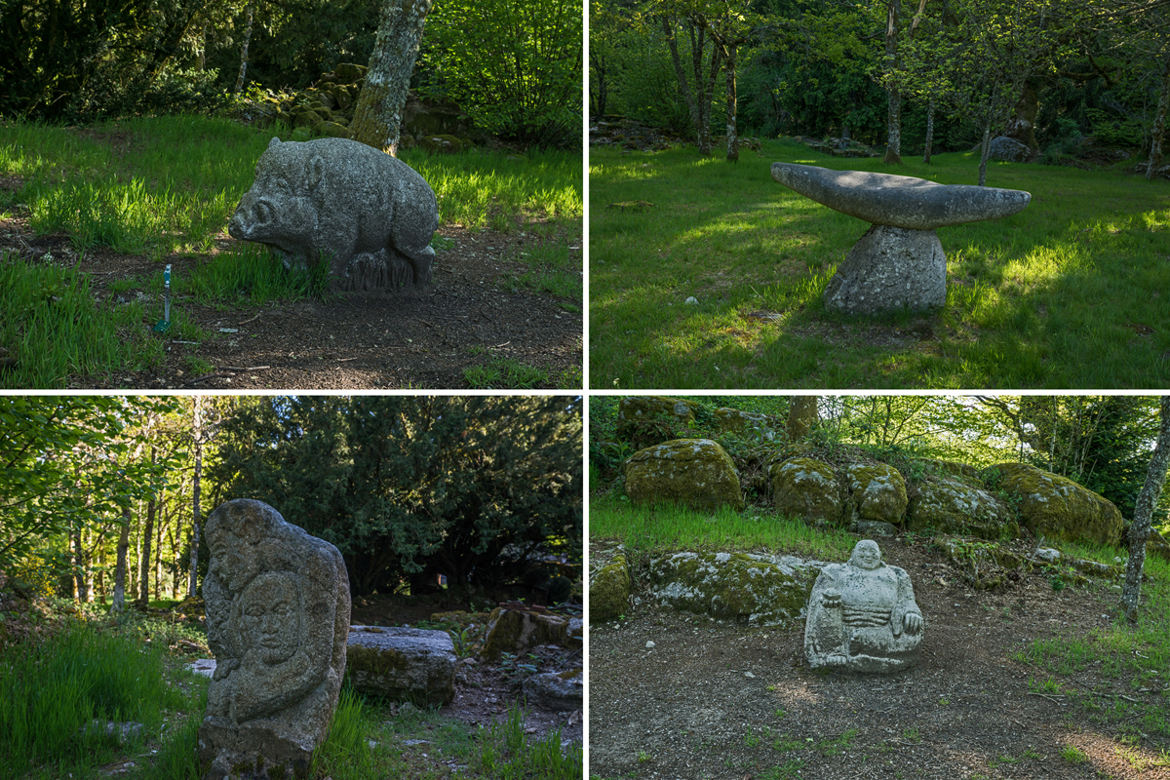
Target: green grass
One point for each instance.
(668, 526)
(500, 372)
(54, 328)
(1067, 293)
(1132, 662)
(50, 692)
(160, 185)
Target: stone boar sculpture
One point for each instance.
(368, 215)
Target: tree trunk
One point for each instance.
(732, 99)
(1159, 129)
(698, 98)
(80, 588)
(144, 559)
(120, 568)
(197, 433)
(894, 103)
(162, 521)
(706, 95)
(1143, 512)
(984, 152)
(248, 12)
(377, 119)
(929, 131)
(802, 416)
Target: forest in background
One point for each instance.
(1102, 442)
(513, 68)
(1067, 79)
(101, 496)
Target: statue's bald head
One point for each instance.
(866, 555)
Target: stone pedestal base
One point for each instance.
(890, 269)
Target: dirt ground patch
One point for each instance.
(718, 700)
(473, 314)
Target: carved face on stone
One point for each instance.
(270, 617)
(866, 555)
(230, 561)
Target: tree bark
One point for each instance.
(1143, 513)
(802, 416)
(698, 99)
(984, 152)
(894, 102)
(929, 131)
(147, 538)
(248, 13)
(120, 568)
(732, 108)
(197, 433)
(377, 119)
(1159, 129)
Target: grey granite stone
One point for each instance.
(368, 215)
(890, 269)
(403, 664)
(900, 201)
(277, 603)
(862, 615)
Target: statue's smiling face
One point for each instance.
(270, 614)
(866, 555)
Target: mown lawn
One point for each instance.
(1070, 293)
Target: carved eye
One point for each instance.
(281, 185)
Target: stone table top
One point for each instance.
(899, 201)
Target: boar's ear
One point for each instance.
(316, 172)
(273, 142)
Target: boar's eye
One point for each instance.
(281, 184)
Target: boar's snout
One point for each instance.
(251, 216)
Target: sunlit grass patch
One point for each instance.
(669, 526)
(54, 328)
(1079, 272)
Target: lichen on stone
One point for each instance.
(807, 488)
(693, 472)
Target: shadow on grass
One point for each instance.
(1059, 295)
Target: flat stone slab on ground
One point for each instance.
(401, 663)
(900, 201)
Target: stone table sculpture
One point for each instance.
(899, 263)
(862, 616)
(277, 603)
(366, 215)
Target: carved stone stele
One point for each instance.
(277, 603)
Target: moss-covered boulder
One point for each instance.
(983, 564)
(1157, 545)
(517, 630)
(694, 472)
(443, 144)
(952, 505)
(332, 130)
(807, 488)
(402, 664)
(635, 408)
(1056, 507)
(741, 587)
(349, 73)
(739, 421)
(609, 590)
(875, 493)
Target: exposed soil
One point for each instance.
(469, 316)
(717, 700)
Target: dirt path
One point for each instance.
(713, 700)
(472, 315)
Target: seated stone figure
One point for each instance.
(862, 615)
(277, 602)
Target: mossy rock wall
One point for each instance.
(876, 492)
(956, 506)
(807, 488)
(517, 631)
(1056, 507)
(636, 408)
(740, 587)
(693, 472)
(609, 590)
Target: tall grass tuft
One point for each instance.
(50, 693)
(346, 752)
(506, 754)
(54, 329)
(251, 275)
